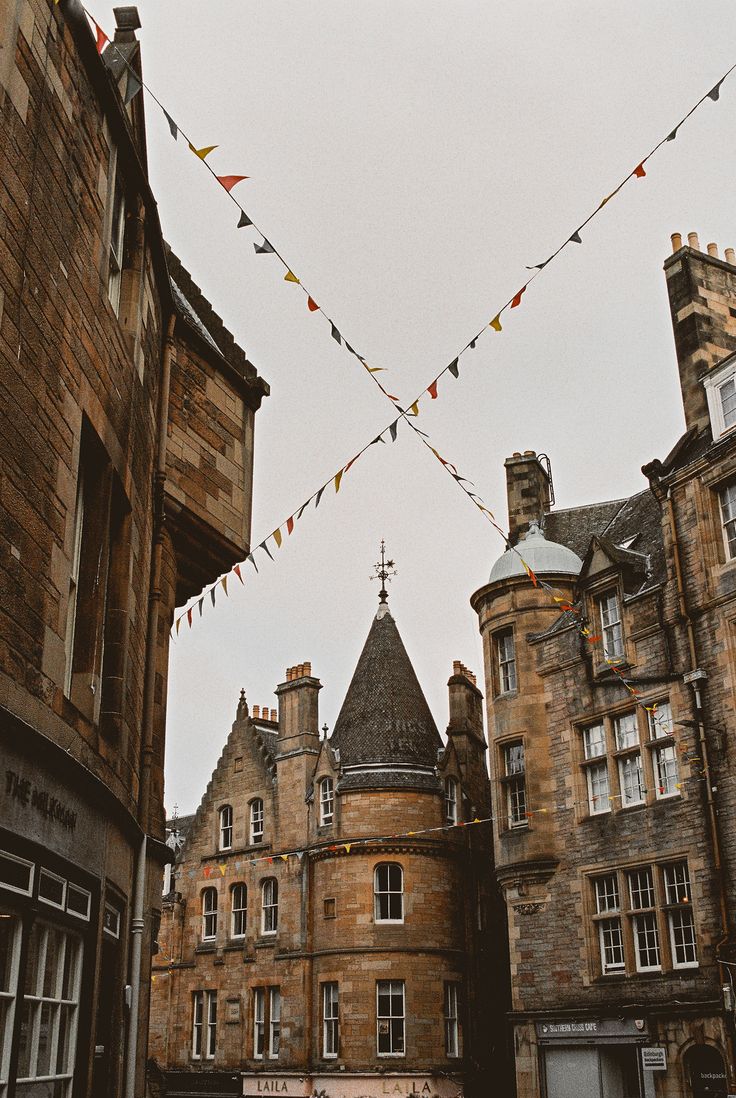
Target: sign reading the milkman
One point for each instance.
(654, 1058)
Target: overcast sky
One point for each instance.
(409, 158)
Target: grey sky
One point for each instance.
(408, 159)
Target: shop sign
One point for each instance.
(654, 1058)
(592, 1030)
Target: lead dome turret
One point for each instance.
(542, 556)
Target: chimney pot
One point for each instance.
(456, 665)
(273, 715)
(676, 239)
(693, 242)
(713, 250)
(530, 453)
(308, 667)
(256, 710)
(127, 18)
(730, 256)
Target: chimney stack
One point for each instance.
(701, 289)
(466, 701)
(528, 492)
(298, 714)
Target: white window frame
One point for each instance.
(330, 1020)
(256, 821)
(643, 913)
(117, 235)
(612, 628)
(387, 889)
(30, 866)
(209, 929)
(727, 507)
(9, 994)
(52, 1005)
(239, 913)
(326, 802)
(678, 905)
(259, 1022)
(506, 660)
(452, 1020)
(226, 827)
(269, 906)
(713, 384)
(598, 803)
(390, 1018)
(274, 1022)
(71, 606)
(46, 874)
(451, 799)
(608, 908)
(514, 783)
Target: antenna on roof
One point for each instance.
(547, 466)
(384, 571)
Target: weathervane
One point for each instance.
(384, 571)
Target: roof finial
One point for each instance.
(384, 571)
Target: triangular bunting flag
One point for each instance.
(673, 135)
(312, 305)
(276, 535)
(319, 496)
(223, 581)
(229, 181)
(496, 323)
(299, 854)
(222, 869)
(454, 368)
(350, 349)
(243, 221)
(392, 397)
(715, 92)
(204, 152)
(575, 238)
(290, 524)
(393, 429)
(291, 277)
(131, 88)
(338, 478)
(102, 38)
(264, 545)
(177, 623)
(284, 857)
(189, 617)
(517, 298)
(173, 128)
(252, 560)
(373, 369)
(236, 570)
(639, 171)
(539, 266)
(335, 334)
(432, 389)
(200, 604)
(351, 462)
(212, 595)
(261, 249)
(206, 871)
(378, 438)
(300, 512)
(471, 345)
(347, 847)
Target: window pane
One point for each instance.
(627, 731)
(682, 931)
(612, 945)
(728, 513)
(728, 402)
(646, 941)
(594, 741)
(641, 888)
(631, 779)
(665, 771)
(677, 883)
(660, 721)
(598, 790)
(606, 894)
(514, 756)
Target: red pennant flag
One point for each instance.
(432, 390)
(639, 171)
(390, 397)
(229, 181)
(189, 617)
(290, 524)
(102, 38)
(351, 462)
(312, 305)
(517, 299)
(236, 570)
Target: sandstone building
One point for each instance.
(126, 451)
(616, 806)
(326, 931)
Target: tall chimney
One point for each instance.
(298, 709)
(527, 490)
(702, 293)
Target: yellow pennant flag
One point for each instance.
(276, 535)
(222, 869)
(347, 847)
(178, 623)
(291, 277)
(414, 410)
(496, 323)
(338, 478)
(204, 152)
(284, 857)
(223, 581)
(374, 369)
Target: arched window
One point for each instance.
(326, 801)
(209, 914)
(256, 821)
(226, 827)
(451, 787)
(388, 893)
(238, 909)
(269, 906)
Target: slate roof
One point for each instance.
(185, 306)
(385, 732)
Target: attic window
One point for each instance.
(628, 542)
(720, 389)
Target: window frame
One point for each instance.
(210, 913)
(452, 786)
(259, 1023)
(513, 783)
(239, 914)
(326, 802)
(330, 1020)
(256, 820)
(391, 1017)
(388, 891)
(677, 907)
(225, 818)
(616, 625)
(116, 241)
(274, 1022)
(452, 1019)
(270, 907)
(713, 383)
(726, 520)
(507, 678)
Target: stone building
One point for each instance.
(325, 932)
(616, 804)
(126, 458)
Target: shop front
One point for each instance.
(340, 1084)
(598, 1058)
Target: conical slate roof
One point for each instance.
(385, 732)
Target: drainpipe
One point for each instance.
(694, 677)
(144, 798)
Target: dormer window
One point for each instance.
(451, 801)
(720, 389)
(326, 802)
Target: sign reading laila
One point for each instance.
(33, 796)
